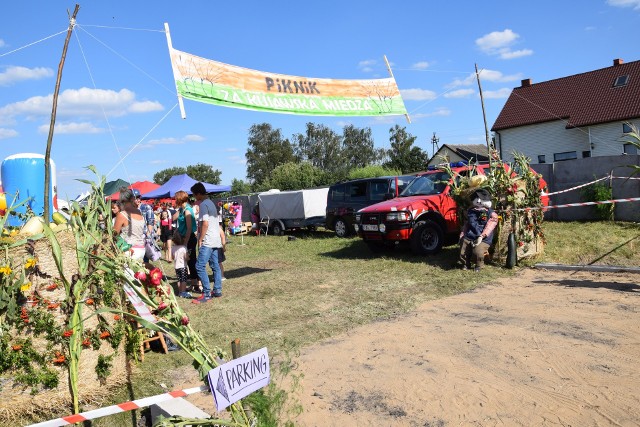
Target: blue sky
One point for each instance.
(117, 94)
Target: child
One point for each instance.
(180, 259)
(477, 234)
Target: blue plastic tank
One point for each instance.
(22, 177)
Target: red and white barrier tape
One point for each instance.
(575, 188)
(573, 205)
(122, 407)
(587, 184)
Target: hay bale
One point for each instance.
(16, 400)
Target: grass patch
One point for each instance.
(287, 294)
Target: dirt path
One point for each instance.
(543, 348)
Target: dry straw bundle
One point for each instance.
(18, 401)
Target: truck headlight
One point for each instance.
(358, 217)
(397, 216)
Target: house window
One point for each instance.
(567, 155)
(626, 128)
(629, 149)
(621, 81)
(586, 154)
(541, 158)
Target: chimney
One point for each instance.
(617, 61)
(526, 83)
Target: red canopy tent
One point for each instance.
(141, 186)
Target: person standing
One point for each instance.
(181, 259)
(209, 245)
(187, 228)
(166, 233)
(129, 223)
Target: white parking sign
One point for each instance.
(238, 378)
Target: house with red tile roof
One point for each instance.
(584, 115)
(476, 153)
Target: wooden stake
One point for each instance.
(484, 116)
(183, 114)
(47, 154)
(391, 74)
(235, 348)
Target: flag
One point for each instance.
(227, 85)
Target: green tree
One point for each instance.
(357, 147)
(267, 150)
(295, 176)
(372, 171)
(164, 175)
(199, 172)
(321, 147)
(238, 186)
(204, 173)
(403, 155)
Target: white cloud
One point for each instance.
(512, 54)
(71, 173)
(497, 94)
(171, 141)
(485, 76)
(145, 107)
(589, 28)
(635, 4)
(2, 43)
(422, 65)
(158, 162)
(366, 65)
(460, 93)
(72, 128)
(7, 133)
(230, 149)
(193, 138)
(239, 160)
(418, 94)
(498, 43)
(83, 102)
(438, 112)
(13, 75)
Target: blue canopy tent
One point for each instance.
(181, 183)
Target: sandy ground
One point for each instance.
(544, 348)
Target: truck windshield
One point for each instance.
(426, 185)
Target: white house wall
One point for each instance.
(606, 139)
(550, 138)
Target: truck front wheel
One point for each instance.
(426, 238)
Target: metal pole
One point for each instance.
(391, 74)
(183, 114)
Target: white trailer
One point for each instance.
(285, 210)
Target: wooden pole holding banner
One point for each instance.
(183, 114)
(391, 74)
(54, 109)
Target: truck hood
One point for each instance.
(411, 203)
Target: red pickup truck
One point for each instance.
(423, 216)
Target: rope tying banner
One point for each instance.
(122, 407)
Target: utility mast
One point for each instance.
(434, 144)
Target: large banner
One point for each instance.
(217, 83)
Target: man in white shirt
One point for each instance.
(209, 245)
